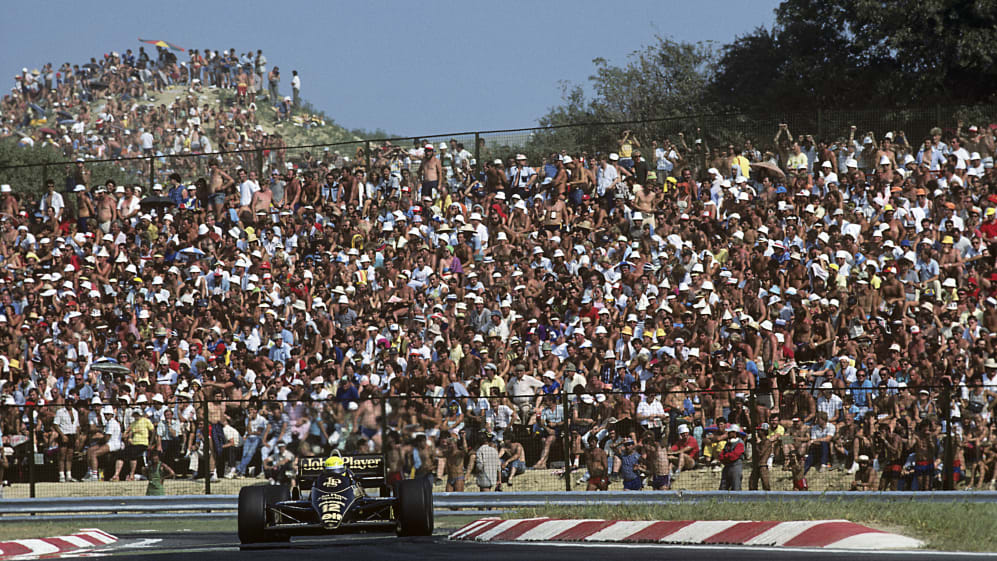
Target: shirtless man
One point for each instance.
(556, 213)
(866, 478)
(423, 448)
(559, 183)
(394, 459)
(513, 458)
(262, 199)
(107, 209)
(597, 463)
(453, 456)
(216, 416)
(430, 170)
(892, 291)
(367, 422)
(8, 202)
(924, 457)
(217, 185)
(659, 465)
(763, 446)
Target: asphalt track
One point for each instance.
(194, 546)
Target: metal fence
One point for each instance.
(698, 137)
(565, 441)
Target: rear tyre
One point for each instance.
(415, 508)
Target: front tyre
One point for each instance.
(414, 508)
(252, 514)
(254, 506)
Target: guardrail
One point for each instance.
(465, 503)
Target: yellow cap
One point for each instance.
(947, 239)
(990, 211)
(887, 208)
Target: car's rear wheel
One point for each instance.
(254, 503)
(414, 508)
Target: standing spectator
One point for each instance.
(731, 456)
(627, 466)
(295, 89)
(486, 466)
(273, 81)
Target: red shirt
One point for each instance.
(689, 441)
(732, 453)
(989, 230)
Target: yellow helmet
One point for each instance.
(334, 463)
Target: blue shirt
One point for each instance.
(176, 195)
(862, 392)
(627, 464)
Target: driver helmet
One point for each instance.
(335, 464)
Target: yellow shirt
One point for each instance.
(795, 160)
(742, 163)
(487, 385)
(141, 429)
(712, 451)
(626, 150)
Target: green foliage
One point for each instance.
(863, 53)
(666, 79)
(28, 182)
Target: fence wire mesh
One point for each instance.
(197, 442)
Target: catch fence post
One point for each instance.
(566, 436)
(209, 451)
(477, 150)
(34, 451)
(948, 473)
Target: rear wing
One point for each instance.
(367, 468)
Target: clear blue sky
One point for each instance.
(410, 68)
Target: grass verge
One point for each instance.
(956, 526)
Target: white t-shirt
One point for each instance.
(247, 189)
(68, 420)
(113, 432)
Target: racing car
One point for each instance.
(332, 497)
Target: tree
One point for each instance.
(942, 49)
(666, 79)
(862, 54)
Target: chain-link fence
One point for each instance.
(803, 439)
(699, 137)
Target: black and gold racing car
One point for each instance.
(332, 497)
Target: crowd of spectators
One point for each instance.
(822, 305)
(133, 104)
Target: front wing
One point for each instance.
(368, 514)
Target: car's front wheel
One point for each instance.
(414, 508)
(252, 514)
(254, 502)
